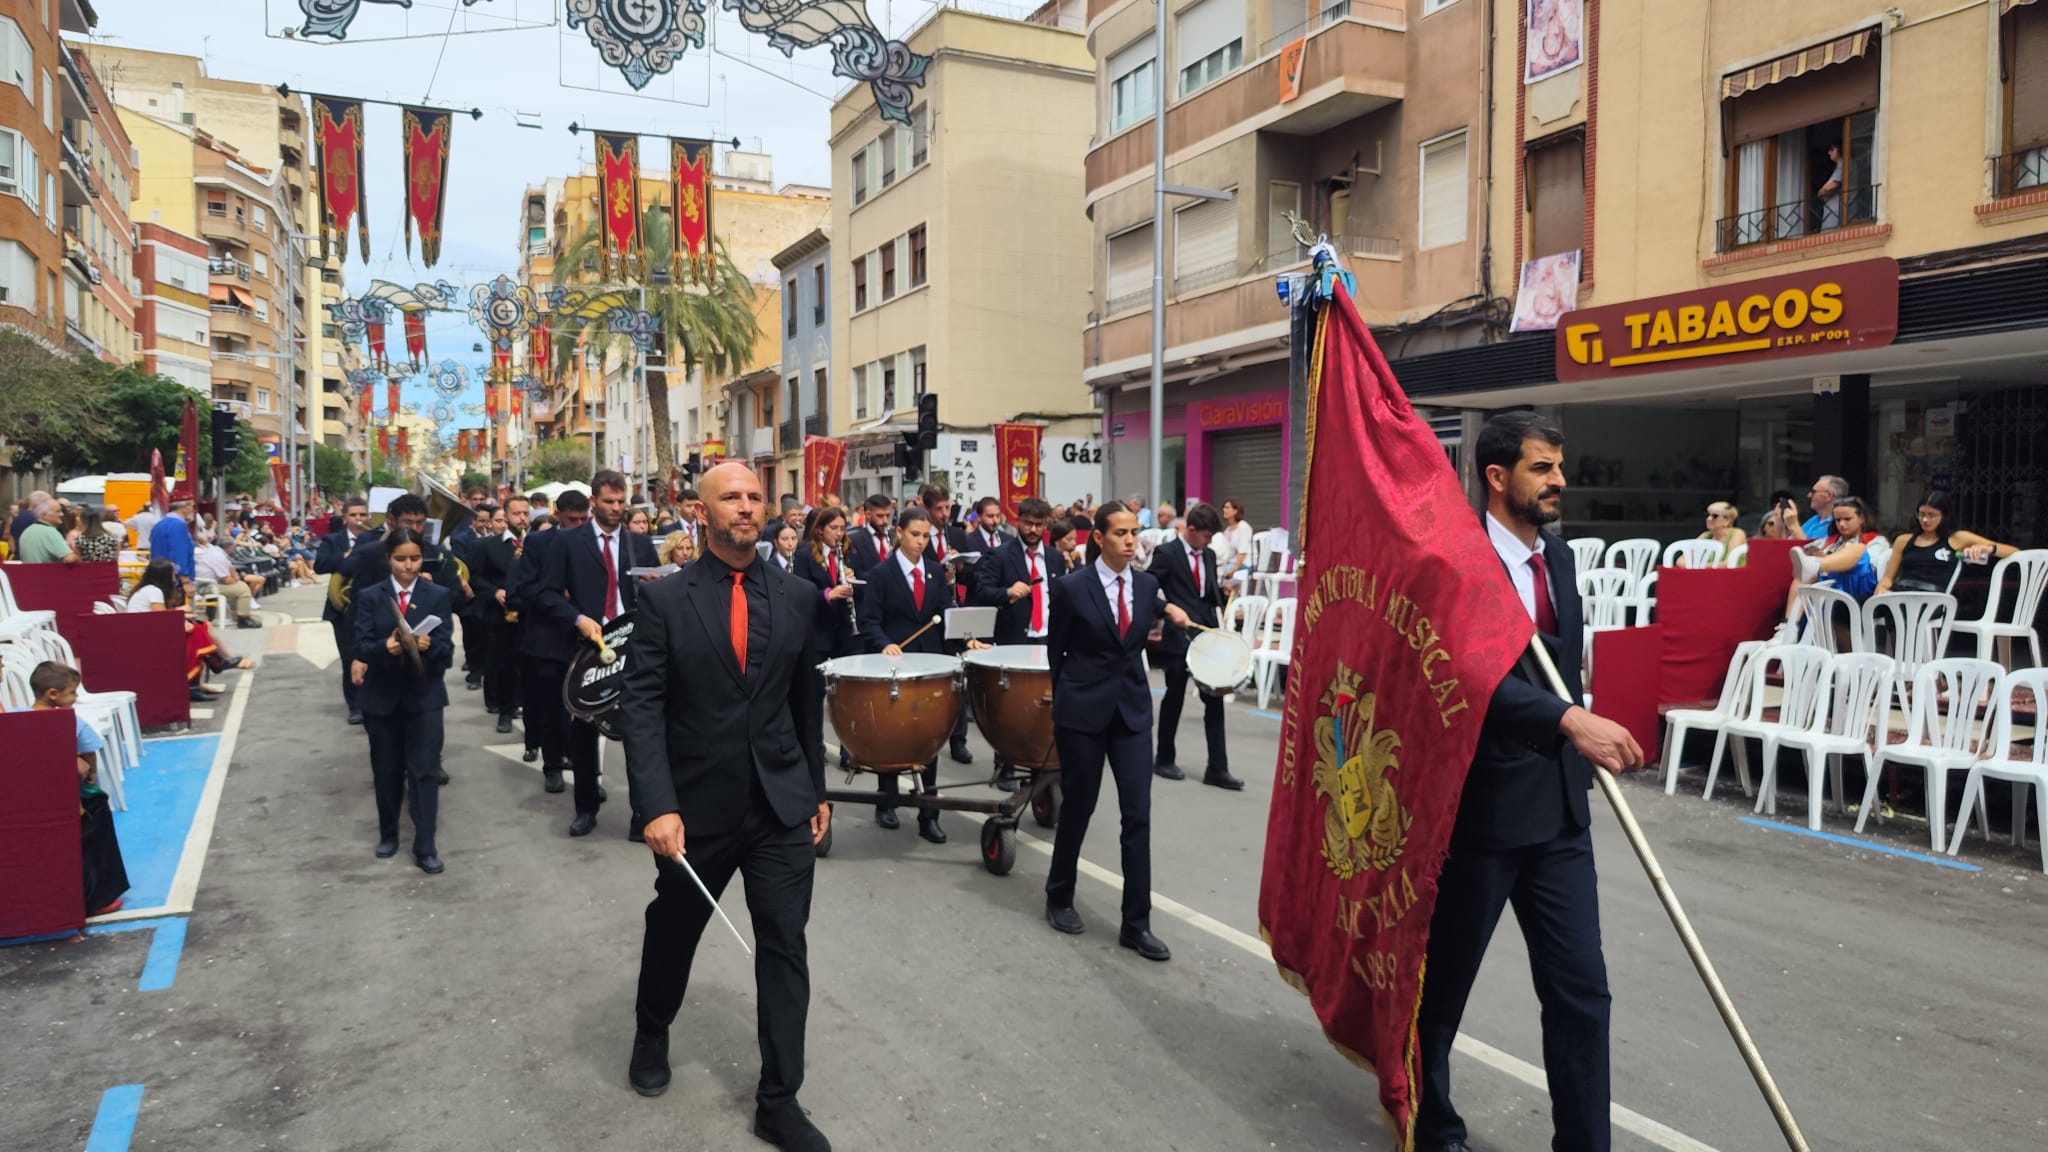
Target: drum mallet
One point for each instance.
(921, 631)
(714, 903)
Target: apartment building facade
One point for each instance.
(174, 312)
(806, 343)
(960, 257)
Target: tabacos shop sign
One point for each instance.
(1834, 309)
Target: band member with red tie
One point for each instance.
(949, 541)
(721, 712)
(818, 561)
(868, 544)
(1186, 571)
(1016, 580)
(1102, 711)
(402, 706)
(987, 535)
(901, 597)
(584, 583)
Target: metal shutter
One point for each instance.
(1246, 467)
(1557, 181)
(2029, 77)
(1204, 237)
(1443, 192)
(1203, 28)
(1130, 263)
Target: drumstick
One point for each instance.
(919, 632)
(714, 903)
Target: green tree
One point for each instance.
(707, 320)
(332, 469)
(249, 471)
(556, 461)
(475, 480)
(145, 414)
(52, 404)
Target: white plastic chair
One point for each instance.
(112, 714)
(14, 620)
(1245, 616)
(1646, 599)
(1734, 697)
(1799, 668)
(2031, 572)
(1587, 552)
(1818, 610)
(1738, 557)
(1998, 765)
(1692, 554)
(1607, 583)
(1918, 627)
(1951, 699)
(1278, 651)
(1855, 689)
(1635, 557)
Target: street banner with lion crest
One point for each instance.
(1406, 623)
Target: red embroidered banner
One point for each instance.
(541, 351)
(402, 443)
(501, 363)
(416, 337)
(690, 192)
(338, 144)
(1017, 464)
(366, 403)
(281, 478)
(491, 402)
(383, 441)
(618, 170)
(518, 400)
(373, 335)
(391, 402)
(824, 460)
(1402, 635)
(427, 133)
(159, 490)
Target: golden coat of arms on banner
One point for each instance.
(1020, 472)
(1365, 825)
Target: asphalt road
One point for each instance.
(329, 1000)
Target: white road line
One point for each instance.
(1660, 1134)
(185, 885)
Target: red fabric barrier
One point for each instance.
(139, 652)
(66, 589)
(275, 523)
(1706, 612)
(1628, 677)
(42, 887)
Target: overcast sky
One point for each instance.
(736, 86)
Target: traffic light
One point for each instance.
(909, 460)
(227, 439)
(927, 422)
(693, 465)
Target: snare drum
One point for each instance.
(1219, 662)
(1010, 687)
(893, 713)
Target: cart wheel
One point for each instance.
(1045, 807)
(998, 847)
(824, 846)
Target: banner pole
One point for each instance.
(1795, 1140)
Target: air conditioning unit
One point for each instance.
(94, 273)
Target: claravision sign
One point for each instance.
(1801, 314)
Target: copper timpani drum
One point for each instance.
(893, 713)
(1010, 687)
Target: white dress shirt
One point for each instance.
(1037, 597)
(1515, 555)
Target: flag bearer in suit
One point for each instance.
(1016, 579)
(1102, 712)
(902, 595)
(1186, 571)
(1521, 836)
(401, 706)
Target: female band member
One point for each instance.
(402, 703)
(820, 561)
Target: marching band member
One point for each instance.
(341, 540)
(1016, 579)
(546, 646)
(901, 596)
(868, 545)
(1186, 571)
(949, 540)
(402, 708)
(368, 565)
(493, 559)
(1102, 711)
(819, 562)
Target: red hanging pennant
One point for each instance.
(383, 441)
(618, 169)
(416, 337)
(366, 404)
(501, 362)
(427, 133)
(518, 401)
(540, 352)
(338, 140)
(491, 402)
(402, 443)
(391, 401)
(373, 335)
(690, 197)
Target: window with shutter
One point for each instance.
(2024, 49)
(1204, 245)
(1557, 196)
(859, 169)
(1208, 42)
(888, 252)
(1131, 84)
(1443, 210)
(860, 282)
(917, 256)
(1129, 284)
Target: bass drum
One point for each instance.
(1219, 662)
(893, 713)
(1010, 688)
(592, 687)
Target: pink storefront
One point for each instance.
(1232, 444)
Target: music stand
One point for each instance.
(970, 623)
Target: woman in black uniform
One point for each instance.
(819, 561)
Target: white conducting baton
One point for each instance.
(714, 903)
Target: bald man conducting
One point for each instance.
(722, 716)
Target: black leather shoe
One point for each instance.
(1006, 780)
(648, 1070)
(441, 777)
(789, 1129)
(248, 622)
(886, 818)
(430, 864)
(928, 827)
(602, 795)
(529, 756)
(504, 722)
(1064, 920)
(1221, 778)
(584, 824)
(355, 717)
(1144, 943)
(387, 847)
(1453, 1146)
(551, 780)
(961, 753)
(473, 683)
(1168, 772)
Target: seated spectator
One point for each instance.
(56, 688)
(24, 515)
(677, 548)
(1721, 530)
(1825, 494)
(43, 540)
(161, 590)
(210, 563)
(1061, 537)
(1842, 557)
(102, 542)
(1926, 561)
(298, 555)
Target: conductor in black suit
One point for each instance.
(341, 539)
(1186, 571)
(903, 595)
(1015, 578)
(586, 581)
(1102, 711)
(723, 726)
(546, 645)
(1521, 836)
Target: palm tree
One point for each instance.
(707, 321)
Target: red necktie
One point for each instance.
(832, 568)
(881, 546)
(1037, 591)
(1123, 611)
(1195, 562)
(739, 620)
(1546, 615)
(917, 585)
(404, 603)
(611, 577)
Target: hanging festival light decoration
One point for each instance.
(448, 379)
(641, 38)
(504, 309)
(860, 50)
(427, 133)
(635, 324)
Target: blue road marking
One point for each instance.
(1863, 845)
(163, 800)
(165, 948)
(114, 1125)
(1264, 715)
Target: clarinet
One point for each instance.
(846, 572)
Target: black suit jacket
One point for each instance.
(1097, 675)
(463, 540)
(491, 561)
(698, 730)
(834, 619)
(327, 560)
(1004, 567)
(861, 550)
(572, 578)
(1171, 567)
(540, 637)
(889, 611)
(390, 685)
(1528, 784)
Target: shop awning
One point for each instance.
(229, 294)
(1850, 47)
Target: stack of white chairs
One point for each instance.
(1278, 650)
(1692, 554)
(1588, 552)
(1917, 624)
(1798, 668)
(1733, 705)
(1998, 764)
(1994, 627)
(14, 620)
(1636, 557)
(1847, 716)
(112, 714)
(1953, 701)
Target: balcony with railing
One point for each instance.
(232, 320)
(229, 266)
(814, 425)
(761, 442)
(78, 88)
(79, 182)
(1195, 279)
(791, 438)
(1797, 219)
(2019, 173)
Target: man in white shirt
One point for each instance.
(209, 562)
